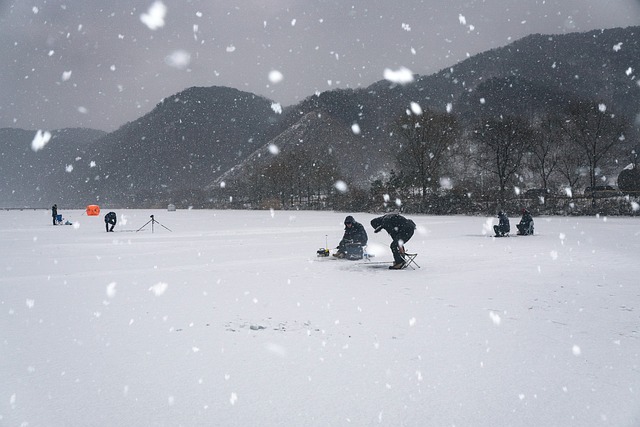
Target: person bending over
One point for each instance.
(400, 229)
(110, 219)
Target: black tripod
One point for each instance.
(152, 221)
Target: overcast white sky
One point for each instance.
(95, 63)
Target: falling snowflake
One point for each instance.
(40, 140)
(275, 76)
(179, 59)
(111, 289)
(159, 288)
(401, 76)
(495, 318)
(154, 18)
(276, 107)
(446, 183)
(341, 186)
(273, 149)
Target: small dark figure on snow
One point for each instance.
(54, 213)
(503, 227)
(355, 237)
(525, 227)
(400, 229)
(110, 219)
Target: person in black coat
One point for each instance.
(110, 219)
(503, 227)
(400, 229)
(525, 227)
(54, 213)
(353, 240)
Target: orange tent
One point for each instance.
(93, 210)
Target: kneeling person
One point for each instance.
(355, 237)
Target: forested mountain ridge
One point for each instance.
(200, 138)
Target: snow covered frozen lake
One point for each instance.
(230, 319)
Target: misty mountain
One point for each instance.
(197, 139)
(44, 177)
(189, 139)
(536, 74)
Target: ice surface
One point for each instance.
(231, 319)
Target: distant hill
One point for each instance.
(196, 139)
(44, 177)
(188, 140)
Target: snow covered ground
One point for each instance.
(231, 320)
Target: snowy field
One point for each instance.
(231, 320)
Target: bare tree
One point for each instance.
(426, 138)
(596, 133)
(545, 148)
(502, 143)
(571, 164)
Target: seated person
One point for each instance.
(355, 237)
(525, 227)
(503, 227)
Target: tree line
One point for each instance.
(559, 163)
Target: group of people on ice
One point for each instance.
(401, 229)
(355, 237)
(525, 226)
(110, 219)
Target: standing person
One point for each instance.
(400, 229)
(54, 213)
(110, 219)
(355, 237)
(525, 227)
(503, 227)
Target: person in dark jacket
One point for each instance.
(110, 219)
(525, 227)
(54, 213)
(503, 227)
(400, 229)
(353, 240)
